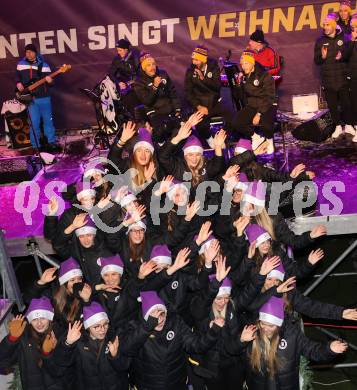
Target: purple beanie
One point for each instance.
(273, 311)
(192, 145)
(40, 308)
(255, 193)
(144, 140)
(111, 264)
(69, 269)
(161, 254)
(256, 233)
(93, 314)
(149, 302)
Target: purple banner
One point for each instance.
(83, 33)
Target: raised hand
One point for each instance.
(248, 333)
(269, 264)
(86, 292)
(79, 221)
(122, 191)
(146, 269)
(183, 133)
(288, 285)
(232, 171)
(136, 215)
(149, 171)
(113, 347)
(192, 210)
(182, 259)
(212, 251)
(221, 270)
(240, 224)
(338, 346)
(315, 256)
(74, 332)
(128, 132)
(106, 287)
(17, 326)
(318, 231)
(300, 168)
(48, 276)
(195, 118)
(311, 175)
(165, 185)
(49, 343)
(204, 233)
(219, 139)
(52, 206)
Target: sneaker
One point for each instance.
(350, 130)
(338, 131)
(270, 148)
(257, 140)
(354, 139)
(210, 142)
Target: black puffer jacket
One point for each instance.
(161, 101)
(95, 368)
(125, 69)
(37, 371)
(159, 360)
(204, 92)
(333, 72)
(259, 90)
(293, 344)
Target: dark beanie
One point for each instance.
(123, 44)
(31, 47)
(258, 36)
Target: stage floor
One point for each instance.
(331, 161)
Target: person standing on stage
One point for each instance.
(30, 69)
(263, 53)
(330, 55)
(352, 72)
(123, 71)
(156, 91)
(344, 16)
(202, 89)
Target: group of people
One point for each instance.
(194, 298)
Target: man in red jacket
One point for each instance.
(263, 53)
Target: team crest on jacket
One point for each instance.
(283, 344)
(256, 82)
(340, 43)
(164, 81)
(99, 261)
(106, 350)
(174, 285)
(209, 75)
(170, 335)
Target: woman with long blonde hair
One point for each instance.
(274, 354)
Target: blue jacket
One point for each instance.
(28, 72)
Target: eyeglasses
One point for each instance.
(100, 327)
(223, 299)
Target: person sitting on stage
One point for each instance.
(263, 53)
(123, 71)
(202, 89)
(330, 55)
(30, 69)
(260, 103)
(157, 93)
(344, 16)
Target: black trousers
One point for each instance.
(229, 378)
(353, 100)
(244, 122)
(339, 105)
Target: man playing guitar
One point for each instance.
(29, 70)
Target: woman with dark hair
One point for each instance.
(32, 346)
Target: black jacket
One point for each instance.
(159, 361)
(125, 69)
(94, 366)
(37, 371)
(333, 72)
(204, 92)
(161, 101)
(293, 344)
(259, 90)
(352, 59)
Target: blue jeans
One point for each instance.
(41, 108)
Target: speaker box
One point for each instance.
(315, 130)
(19, 129)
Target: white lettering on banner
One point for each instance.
(95, 34)
(11, 46)
(46, 41)
(69, 40)
(27, 37)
